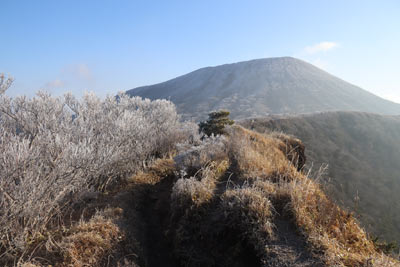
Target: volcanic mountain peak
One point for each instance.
(260, 87)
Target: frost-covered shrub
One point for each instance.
(52, 148)
(249, 210)
(5, 83)
(188, 192)
(192, 156)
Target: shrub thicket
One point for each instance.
(54, 149)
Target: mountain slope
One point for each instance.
(261, 87)
(363, 153)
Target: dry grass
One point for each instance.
(90, 242)
(197, 190)
(250, 210)
(159, 169)
(192, 157)
(328, 228)
(192, 200)
(260, 156)
(28, 264)
(190, 192)
(363, 153)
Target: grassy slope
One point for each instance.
(363, 153)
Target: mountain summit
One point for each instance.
(262, 87)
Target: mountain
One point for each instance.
(262, 87)
(363, 153)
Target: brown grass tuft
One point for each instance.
(195, 191)
(259, 155)
(27, 264)
(159, 169)
(330, 228)
(90, 242)
(250, 209)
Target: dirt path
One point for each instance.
(145, 220)
(289, 248)
(155, 210)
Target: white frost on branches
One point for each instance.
(54, 147)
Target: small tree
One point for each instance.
(216, 123)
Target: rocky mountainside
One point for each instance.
(262, 87)
(363, 155)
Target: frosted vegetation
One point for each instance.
(222, 199)
(54, 150)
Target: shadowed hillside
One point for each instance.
(363, 153)
(261, 87)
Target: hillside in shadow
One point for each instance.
(363, 155)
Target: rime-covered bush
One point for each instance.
(52, 148)
(5, 83)
(193, 155)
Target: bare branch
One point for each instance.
(5, 83)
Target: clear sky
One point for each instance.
(108, 46)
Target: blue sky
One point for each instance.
(108, 46)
